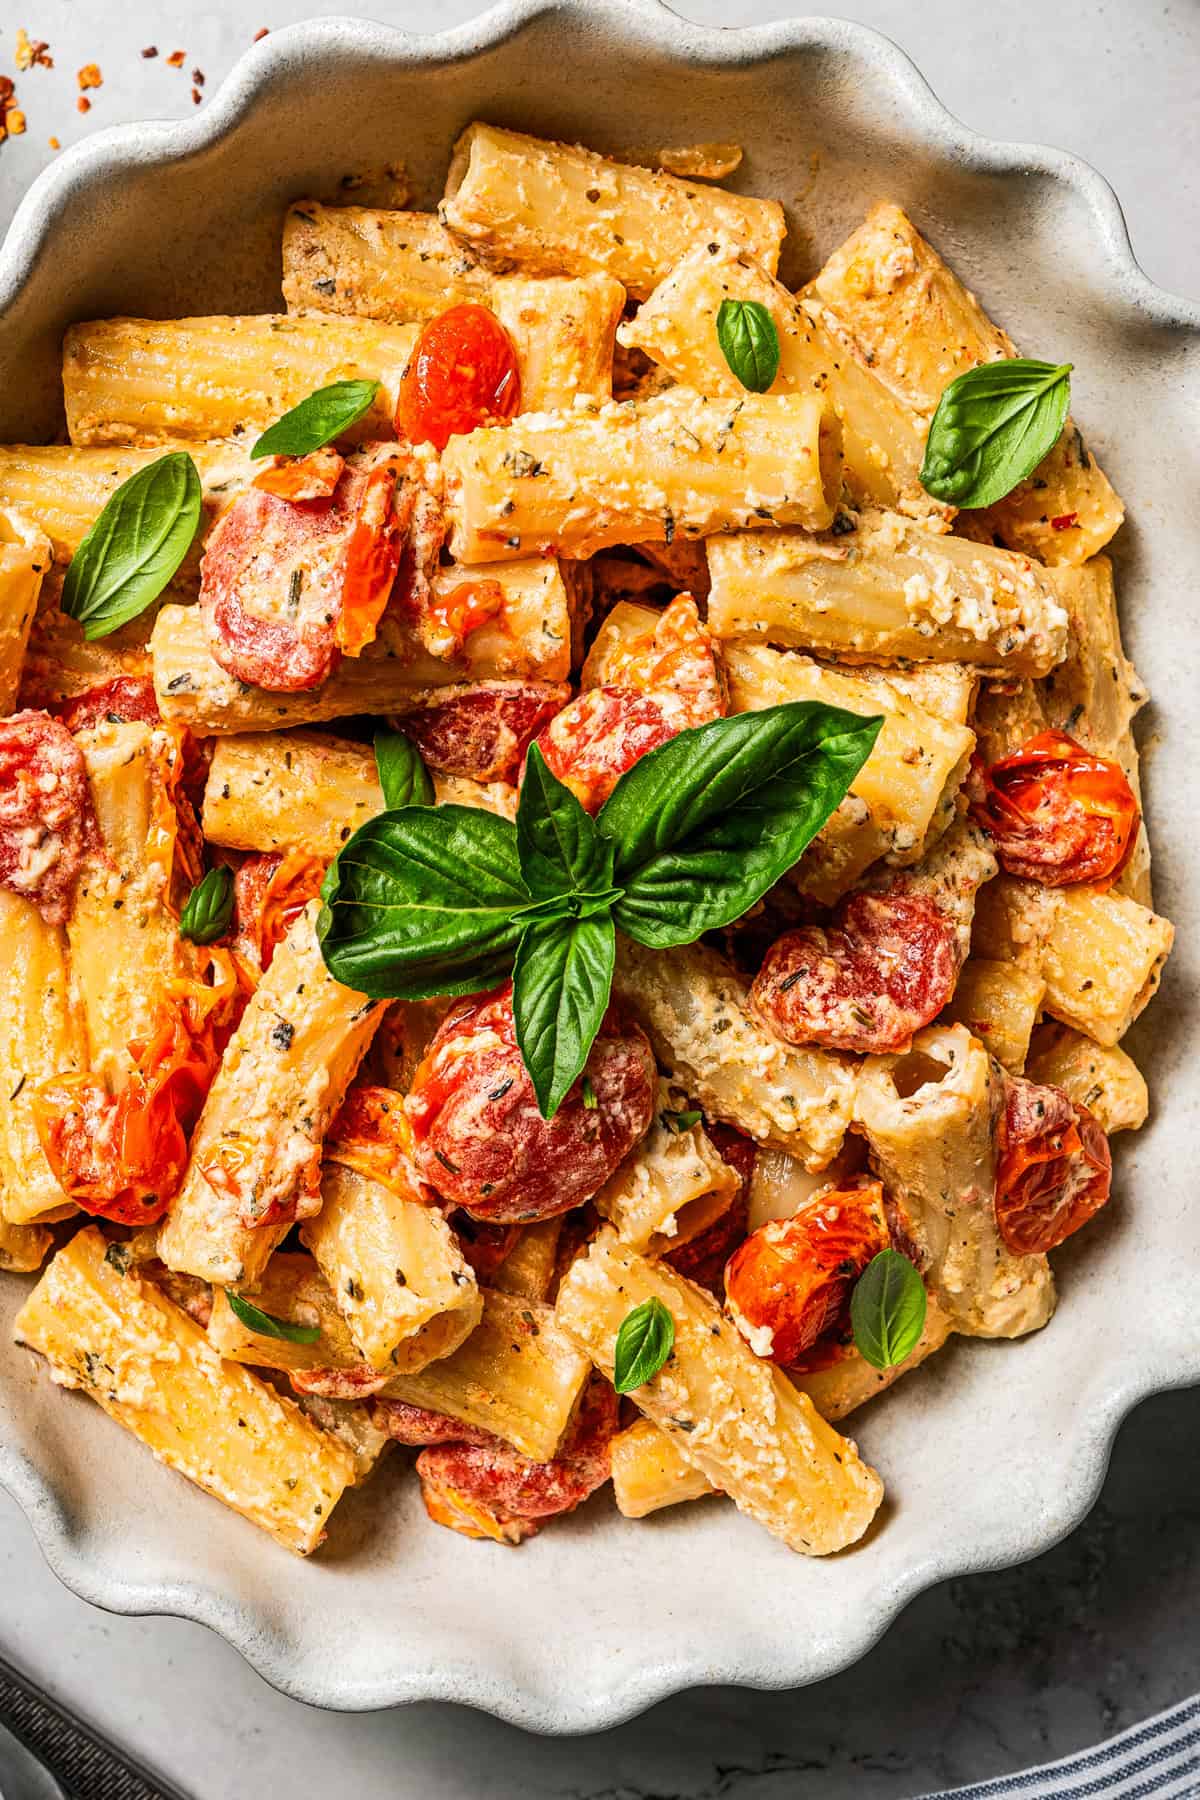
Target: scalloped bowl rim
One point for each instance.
(154, 142)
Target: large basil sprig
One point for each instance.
(448, 900)
(992, 427)
(131, 552)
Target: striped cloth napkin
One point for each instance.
(1160, 1758)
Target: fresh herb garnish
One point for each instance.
(887, 1310)
(402, 773)
(644, 1342)
(267, 1325)
(680, 1122)
(209, 907)
(750, 343)
(992, 427)
(445, 901)
(317, 420)
(134, 548)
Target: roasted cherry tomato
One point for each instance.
(1053, 1168)
(418, 1427)
(270, 891)
(592, 742)
(492, 1491)
(884, 967)
(791, 1281)
(484, 1246)
(463, 373)
(311, 477)
(454, 613)
(676, 655)
(45, 812)
(484, 730)
(1058, 813)
(125, 699)
(480, 1139)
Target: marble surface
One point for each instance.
(978, 1676)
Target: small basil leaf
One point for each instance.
(402, 773)
(992, 427)
(644, 1342)
(135, 546)
(706, 823)
(208, 908)
(747, 336)
(561, 986)
(317, 420)
(422, 902)
(887, 1310)
(560, 848)
(267, 1325)
(679, 1122)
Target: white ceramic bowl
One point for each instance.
(995, 1450)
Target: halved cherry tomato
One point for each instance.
(677, 654)
(370, 1132)
(483, 731)
(592, 742)
(1058, 813)
(1054, 1167)
(463, 374)
(480, 1139)
(311, 477)
(385, 510)
(121, 701)
(885, 966)
(270, 891)
(790, 1282)
(123, 1156)
(45, 812)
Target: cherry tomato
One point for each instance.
(452, 617)
(483, 731)
(463, 374)
(884, 967)
(484, 1246)
(372, 557)
(270, 891)
(45, 812)
(1058, 813)
(592, 742)
(791, 1281)
(418, 1427)
(492, 1491)
(676, 655)
(1053, 1170)
(480, 1139)
(311, 477)
(118, 702)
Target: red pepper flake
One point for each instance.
(149, 51)
(197, 96)
(177, 59)
(89, 76)
(198, 77)
(1063, 522)
(262, 32)
(32, 52)
(54, 143)
(6, 90)
(83, 104)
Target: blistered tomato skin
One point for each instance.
(592, 742)
(885, 966)
(463, 374)
(483, 731)
(45, 812)
(1057, 813)
(790, 1282)
(480, 1139)
(491, 1490)
(124, 700)
(1053, 1169)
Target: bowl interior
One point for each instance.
(994, 1450)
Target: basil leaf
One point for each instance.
(560, 848)
(422, 902)
(644, 1342)
(561, 984)
(131, 552)
(679, 1122)
(208, 908)
(402, 773)
(887, 1310)
(747, 336)
(317, 420)
(992, 427)
(706, 823)
(267, 1325)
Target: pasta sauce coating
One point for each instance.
(1054, 1167)
(480, 1139)
(45, 812)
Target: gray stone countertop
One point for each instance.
(977, 1677)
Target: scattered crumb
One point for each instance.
(89, 76)
(14, 120)
(197, 96)
(32, 52)
(149, 51)
(83, 104)
(177, 59)
(198, 77)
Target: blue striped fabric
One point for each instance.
(1160, 1758)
